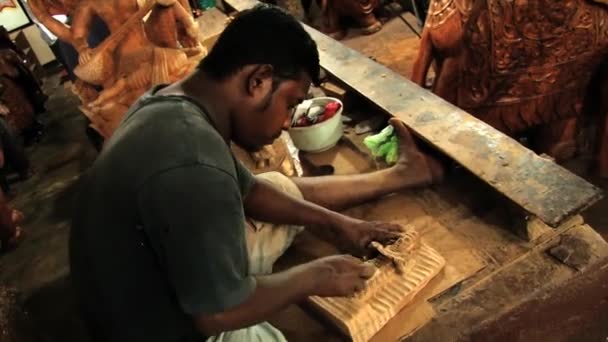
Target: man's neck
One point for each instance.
(210, 95)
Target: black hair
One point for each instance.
(264, 34)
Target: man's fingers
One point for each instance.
(351, 259)
(397, 228)
(359, 286)
(366, 240)
(367, 270)
(354, 284)
(393, 227)
(385, 236)
(345, 263)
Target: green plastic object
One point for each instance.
(206, 4)
(384, 145)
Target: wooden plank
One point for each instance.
(539, 186)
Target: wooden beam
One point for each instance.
(541, 187)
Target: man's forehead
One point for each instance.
(297, 88)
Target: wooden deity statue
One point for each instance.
(524, 67)
(138, 53)
(361, 11)
(13, 95)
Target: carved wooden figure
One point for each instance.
(172, 26)
(12, 94)
(136, 55)
(361, 11)
(517, 65)
(404, 269)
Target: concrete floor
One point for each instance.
(39, 268)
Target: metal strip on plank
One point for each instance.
(538, 185)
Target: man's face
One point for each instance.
(262, 119)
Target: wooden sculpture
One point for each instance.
(136, 55)
(361, 11)
(12, 94)
(404, 268)
(517, 65)
(172, 26)
(274, 157)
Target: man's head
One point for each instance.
(273, 61)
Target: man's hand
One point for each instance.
(338, 275)
(356, 234)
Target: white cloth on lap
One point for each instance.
(266, 242)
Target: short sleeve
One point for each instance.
(194, 221)
(245, 178)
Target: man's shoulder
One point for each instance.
(162, 109)
(160, 134)
(168, 120)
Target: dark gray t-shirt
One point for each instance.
(158, 232)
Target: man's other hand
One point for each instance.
(339, 275)
(356, 235)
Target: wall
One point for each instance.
(12, 16)
(40, 47)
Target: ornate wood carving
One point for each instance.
(136, 55)
(361, 11)
(404, 269)
(517, 64)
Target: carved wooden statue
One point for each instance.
(517, 65)
(136, 55)
(274, 157)
(12, 94)
(361, 11)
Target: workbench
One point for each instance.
(519, 255)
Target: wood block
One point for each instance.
(274, 157)
(334, 90)
(404, 269)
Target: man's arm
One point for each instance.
(193, 218)
(338, 275)
(272, 293)
(266, 203)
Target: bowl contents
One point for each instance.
(309, 113)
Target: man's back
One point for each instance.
(121, 259)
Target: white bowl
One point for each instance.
(321, 136)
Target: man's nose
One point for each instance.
(287, 123)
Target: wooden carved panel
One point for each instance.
(519, 50)
(542, 34)
(529, 62)
(404, 269)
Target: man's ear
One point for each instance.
(259, 81)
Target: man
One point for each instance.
(159, 249)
